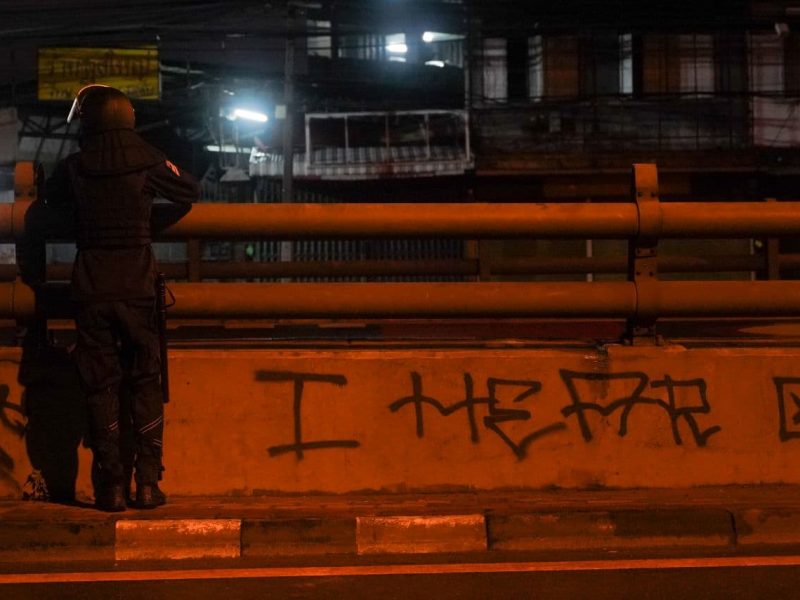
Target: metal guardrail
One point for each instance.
(497, 267)
(642, 299)
(469, 221)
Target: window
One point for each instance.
(319, 38)
(599, 65)
(626, 63)
(560, 66)
(495, 70)
(791, 63)
(696, 64)
(731, 60)
(661, 64)
(535, 68)
(766, 62)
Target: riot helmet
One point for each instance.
(102, 108)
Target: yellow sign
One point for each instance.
(64, 71)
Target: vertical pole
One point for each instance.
(193, 252)
(485, 251)
(773, 255)
(471, 248)
(589, 254)
(643, 256)
(309, 147)
(467, 150)
(287, 190)
(427, 136)
(346, 140)
(388, 138)
(467, 84)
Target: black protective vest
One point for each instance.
(108, 176)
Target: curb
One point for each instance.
(421, 535)
(37, 541)
(567, 531)
(298, 537)
(177, 539)
(759, 527)
(613, 530)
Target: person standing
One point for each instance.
(110, 185)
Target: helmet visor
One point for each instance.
(75, 111)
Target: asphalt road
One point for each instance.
(600, 580)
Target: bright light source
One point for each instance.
(435, 63)
(440, 36)
(250, 115)
(229, 149)
(397, 48)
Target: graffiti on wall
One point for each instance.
(638, 384)
(299, 380)
(522, 390)
(493, 404)
(674, 409)
(788, 391)
(10, 414)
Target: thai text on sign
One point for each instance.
(64, 71)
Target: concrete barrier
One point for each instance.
(420, 534)
(613, 530)
(163, 539)
(249, 422)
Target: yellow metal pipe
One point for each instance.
(206, 300)
(478, 220)
(250, 221)
(728, 298)
(539, 299)
(17, 301)
(729, 219)
(12, 219)
(295, 221)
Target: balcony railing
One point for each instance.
(369, 145)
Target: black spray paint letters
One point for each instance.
(13, 425)
(788, 390)
(16, 427)
(497, 415)
(298, 381)
(515, 392)
(526, 390)
(627, 403)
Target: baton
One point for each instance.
(161, 307)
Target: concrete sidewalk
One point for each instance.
(483, 525)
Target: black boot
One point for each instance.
(149, 496)
(110, 498)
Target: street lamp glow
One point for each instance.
(428, 37)
(249, 115)
(397, 48)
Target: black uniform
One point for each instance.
(111, 184)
